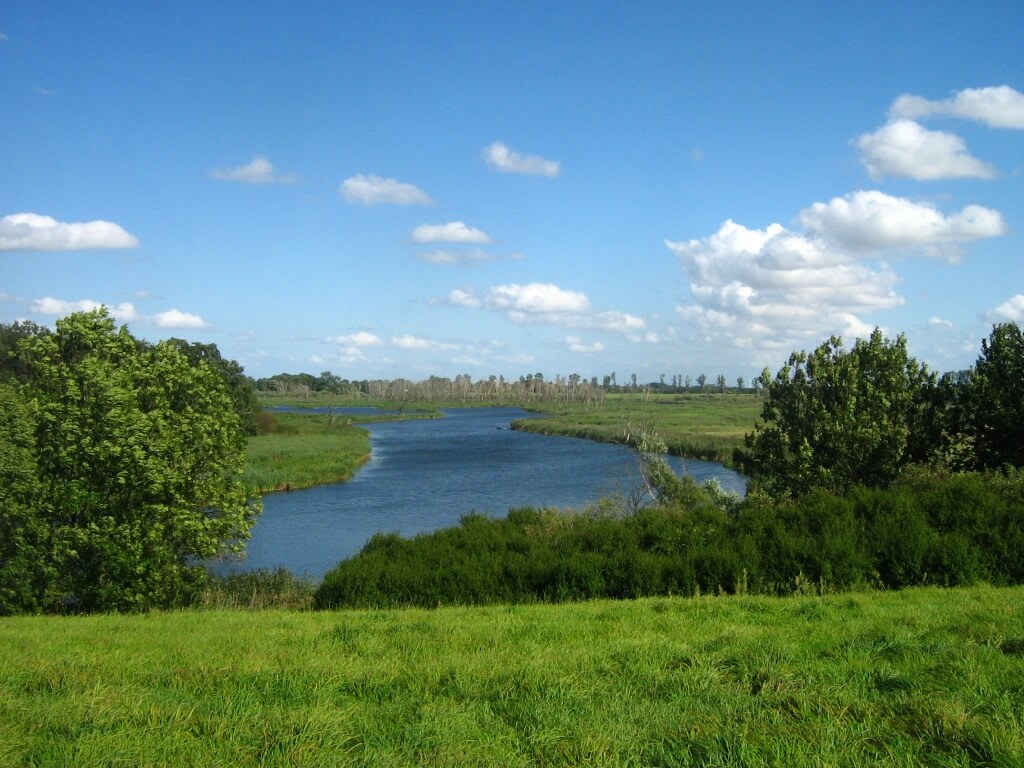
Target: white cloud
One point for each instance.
(773, 289)
(258, 171)
(358, 339)
(997, 106)
(450, 258)
(461, 298)
(536, 298)
(904, 148)
(32, 232)
(408, 341)
(1010, 311)
(124, 312)
(174, 318)
(539, 303)
(374, 190)
(574, 344)
(873, 220)
(503, 159)
(452, 232)
(938, 322)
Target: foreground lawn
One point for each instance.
(704, 426)
(921, 677)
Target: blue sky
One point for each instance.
(408, 189)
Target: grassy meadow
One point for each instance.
(302, 450)
(920, 677)
(704, 426)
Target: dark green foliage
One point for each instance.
(993, 401)
(12, 360)
(925, 529)
(239, 386)
(834, 419)
(121, 464)
(23, 533)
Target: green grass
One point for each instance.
(922, 677)
(305, 450)
(705, 426)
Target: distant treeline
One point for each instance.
(532, 387)
(924, 529)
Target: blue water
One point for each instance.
(426, 474)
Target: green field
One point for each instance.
(704, 426)
(920, 677)
(305, 450)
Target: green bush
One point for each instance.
(924, 529)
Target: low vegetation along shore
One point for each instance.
(699, 425)
(919, 677)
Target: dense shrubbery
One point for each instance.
(925, 529)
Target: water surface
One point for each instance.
(426, 474)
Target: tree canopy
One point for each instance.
(993, 400)
(835, 418)
(120, 464)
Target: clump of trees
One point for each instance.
(837, 418)
(120, 468)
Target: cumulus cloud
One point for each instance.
(174, 318)
(938, 322)
(873, 220)
(1010, 311)
(546, 303)
(452, 232)
(536, 298)
(32, 232)
(359, 339)
(503, 159)
(374, 190)
(124, 312)
(904, 148)
(60, 308)
(574, 344)
(258, 171)
(773, 289)
(450, 258)
(461, 298)
(997, 106)
(408, 341)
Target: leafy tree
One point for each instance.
(702, 380)
(12, 365)
(993, 400)
(720, 383)
(137, 457)
(239, 386)
(836, 418)
(23, 569)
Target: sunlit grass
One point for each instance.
(305, 450)
(921, 677)
(704, 426)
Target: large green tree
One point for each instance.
(136, 458)
(992, 400)
(835, 418)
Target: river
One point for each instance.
(425, 474)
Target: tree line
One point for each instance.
(493, 389)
